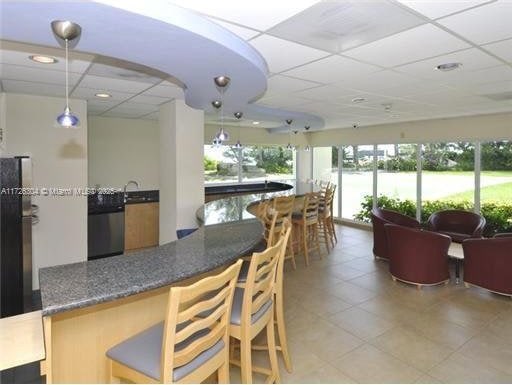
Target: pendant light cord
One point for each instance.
(67, 76)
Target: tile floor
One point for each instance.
(348, 322)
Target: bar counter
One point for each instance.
(90, 306)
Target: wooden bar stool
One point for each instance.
(307, 222)
(253, 310)
(187, 347)
(285, 232)
(284, 207)
(324, 218)
(332, 213)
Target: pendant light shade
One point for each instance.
(67, 119)
(67, 31)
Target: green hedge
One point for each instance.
(498, 216)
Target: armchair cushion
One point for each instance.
(380, 217)
(457, 224)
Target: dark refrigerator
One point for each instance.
(16, 236)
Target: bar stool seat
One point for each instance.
(143, 351)
(236, 309)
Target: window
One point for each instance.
(227, 164)
(325, 168)
(267, 163)
(448, 177)
(220, 164)
(356, 179)
(396, 164)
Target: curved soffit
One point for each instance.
(162, 36)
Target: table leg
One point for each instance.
(457, 271)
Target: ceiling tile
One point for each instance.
(336, 26)
(147, 99)
(435, 8)
(244, 33)
(503, 49)
(131, 110)
(32, 88)
(486, 75)
(165, 90)
(90, 94)
(118, 72)
(151, 116)
(282, 101)
(332, 69)
(278, 84)
(283, 54)
(38, 75)
(16, 53)
(472, 59)
(327, 93)
(100, 106)
(485, 24)
(260, 15)
(415, 44)
(108, 84)
(377, 81)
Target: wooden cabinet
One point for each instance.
(141, 225)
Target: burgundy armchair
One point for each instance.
(503, 235)
(380, 217)
(457, 224)
(418, 256)
(488, 264)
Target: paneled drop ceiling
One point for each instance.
(134, 92)
(322, 55)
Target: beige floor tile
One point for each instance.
(366, 265)
(325, 374)
(490, 350)
(439, 330)
(351, 293)
(376, 281)
(361, 323)
(501, 326)
(304, 361)
(411, 347)
(324, 305)
(426, 379)
(367, 364)
(460, 369)
(342, 272)
(328, 341)
(462, 313)
(383, 306)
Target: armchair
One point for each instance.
(417, 256)
(457, 224)
(488, 264)
(380, 217)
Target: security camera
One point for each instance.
(355, 125)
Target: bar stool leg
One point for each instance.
(305, 243)
(289, 248)
(281, 332)
(246, 361)
(271, 341)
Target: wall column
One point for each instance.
(181, 167)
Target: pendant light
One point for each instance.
(238, 115)
(67, 31)
(289, 145)
(307, 148)
(222, 82)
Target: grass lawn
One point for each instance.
(496, 193)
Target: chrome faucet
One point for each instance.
(125, 187)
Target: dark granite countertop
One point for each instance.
(78, 285)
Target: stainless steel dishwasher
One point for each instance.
(105, 228)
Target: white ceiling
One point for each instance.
(321, 55)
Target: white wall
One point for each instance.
(481, 127)
(59, 159)
(181, 164)
(121, 150)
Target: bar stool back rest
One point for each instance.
(259, 286)
(269, 224)
(185, 305)
(310, 208)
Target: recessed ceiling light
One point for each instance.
(358, 100)
(448, 66)
(43, 59)
(103, 95)
(255, 123)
